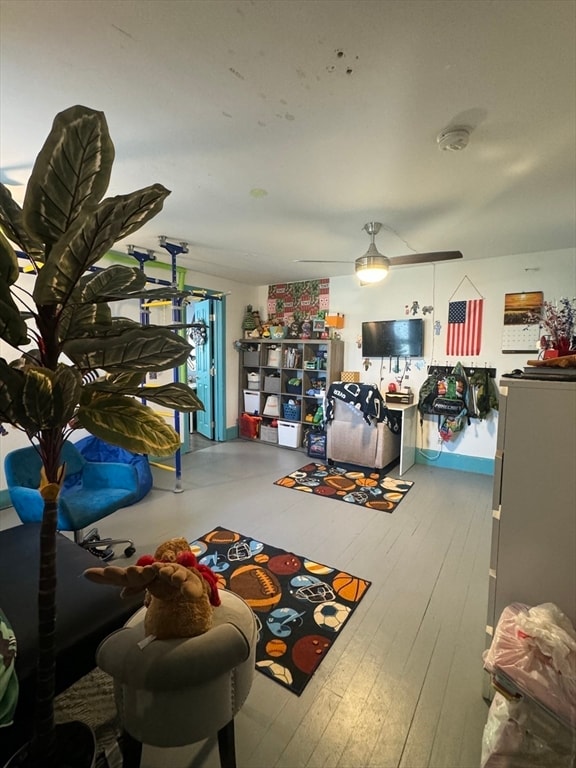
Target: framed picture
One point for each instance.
(522, 313)
(318, 325)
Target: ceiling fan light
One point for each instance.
(373, 266)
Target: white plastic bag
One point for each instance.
(549, 675)
(509, 742)
(553, 634)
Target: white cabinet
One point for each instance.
(533, 554)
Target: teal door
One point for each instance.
(205, 368)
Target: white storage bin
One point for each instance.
(274, 356)
(251, 401)
(289, 434)
(253, 380)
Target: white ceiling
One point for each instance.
(283, 126)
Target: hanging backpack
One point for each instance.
(445, 395)
(427, 394)
(455, 401)
(452, 393)
(483, 396)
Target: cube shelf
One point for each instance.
(270, 364)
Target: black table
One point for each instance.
(86, 614)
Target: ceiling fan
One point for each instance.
(374, 266)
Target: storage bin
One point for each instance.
(289, 434)
(274, 356)
(252, 357)
(269, 434)
(253, 380)
(294, 389)
(272, 406)
(251, 401)
(248, 426)
(350, 376)
(291, 411)
(271, 383)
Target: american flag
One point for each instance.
(464, 327)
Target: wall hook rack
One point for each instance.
(446, 370)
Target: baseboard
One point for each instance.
(447, 460)
(231, 433)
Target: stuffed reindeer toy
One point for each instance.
(179, 593)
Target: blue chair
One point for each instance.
(92, 490)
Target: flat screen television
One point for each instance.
(393, 338)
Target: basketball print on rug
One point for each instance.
(300, 605)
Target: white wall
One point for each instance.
(554, 273)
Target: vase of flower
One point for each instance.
(558, 321)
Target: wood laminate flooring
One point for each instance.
(402, 685)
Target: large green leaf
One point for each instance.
(153, 294)
(72, 171)
(114, 280)
(12, 326)
(37, 400)
(11, 388)
(66, 388)
(49, 397)
(8, 261)
(148, 348)
(79, 320)
(115, 327)
(126, 378)
(128, 423)
(177, 395)
(13, 225)
(93, 236)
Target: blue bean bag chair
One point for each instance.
(94, 449)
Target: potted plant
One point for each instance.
(67, 331)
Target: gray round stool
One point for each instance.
(170, 693)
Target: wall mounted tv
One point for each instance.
(393, 338)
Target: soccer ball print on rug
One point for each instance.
(362, 487)
(300, 605)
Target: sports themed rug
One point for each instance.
(360, 486)
(300, 605)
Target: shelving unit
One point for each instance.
(267, 367)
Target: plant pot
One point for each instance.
(75, 748)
